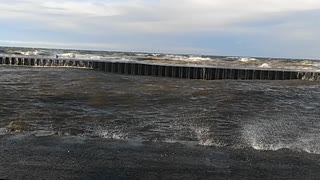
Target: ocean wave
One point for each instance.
(272, 138)
(197, 59)
(108, 134)
(265, 65)
(306, 145)
(42, 53)
(79, 56)
(30, 53)
(205, 137)
(246, 60)
(185, 58)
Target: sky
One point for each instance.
(264, 28)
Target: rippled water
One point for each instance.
(263, 115)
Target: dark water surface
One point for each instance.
(75, 123)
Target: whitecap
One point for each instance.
(30, 53)
(197, 59)
(265, 65)
(107, 134)
(243, 59)
(67, 55)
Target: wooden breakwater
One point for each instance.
(173, 71)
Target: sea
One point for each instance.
(75, 123)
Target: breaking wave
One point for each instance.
(30, 53)
(109, 134)
(265, 65)
(205, 137)
(80, 56)
(247, 60)
(273, 137)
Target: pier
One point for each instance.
(172, 71)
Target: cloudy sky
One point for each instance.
(273, 28)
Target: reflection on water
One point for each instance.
(264, 115)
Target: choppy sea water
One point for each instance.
(230, 129)
(177, 59)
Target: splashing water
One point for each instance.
(205, 137)
(276, 136)
(108, 134)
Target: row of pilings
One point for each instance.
(184, 72)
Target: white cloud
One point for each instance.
(163, 16)
(40, 44)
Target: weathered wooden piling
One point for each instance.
(172, 71)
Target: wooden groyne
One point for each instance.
(173, 71)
